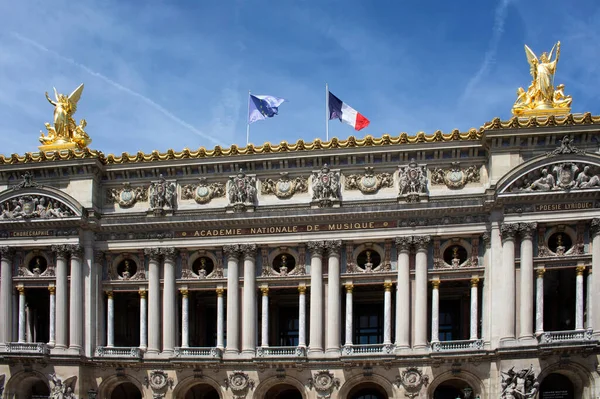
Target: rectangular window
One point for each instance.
(368, 324)
(289, 326)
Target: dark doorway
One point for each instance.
(126, 390)
(283, 391)
(557, 386)
(367, 391)
(201, 391)
(39, 390)
(453, 389)
(38, 314)
(127, 319)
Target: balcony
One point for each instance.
(272, 352)
(115, 352)
(555, 337)
(457, 346)
(198, 353)
(368, 350)
(23, 348)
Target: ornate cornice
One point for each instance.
(540, 121)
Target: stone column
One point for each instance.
(349, 315)
(233, 301)
(507, 317)
(264, 336)
(595, 314)
(302, 316)
(403, 245)
(76, 300)
(185, 318)
(539, 302)
(100, 319)
(486, 305)
(220, 318)
(249, 300)
(110, 319)
(22, 315)
(169, 300)
(526, 303)
(579, 298)
(52, 333)
(91, 295)
(435, 311)
(154, 329)
(333, 297)
(316, 296)
(387, 313)
(422, 244)
(62, 295)
(143, 319)
(474, 308)
(6, 294)
(589, 299)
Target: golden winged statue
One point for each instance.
(65, 134)
(541, 97)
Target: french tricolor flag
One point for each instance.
(345, 113)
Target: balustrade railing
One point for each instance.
(280, 351)
(549, 337)
(35, 348)
(118, 352)
(450, 346)
(198, 353)
(366, 350)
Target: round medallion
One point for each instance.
(284, 186)
(202, 191)
(455, 176)
(369, 181)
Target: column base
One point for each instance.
(528, 340)
(315, 353)
(508, 342)
(333, 352)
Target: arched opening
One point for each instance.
(367, 391)
(202, 391)
(283, 391)
(453, 389)
(557, 386)
(39, 390)
(126, 390)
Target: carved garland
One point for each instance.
(202, 192)
(369, 182)
(455, 177)
(284, 187)
(126, 196)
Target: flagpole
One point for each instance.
(326, 112)
(248, 122)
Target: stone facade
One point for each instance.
(448, 265)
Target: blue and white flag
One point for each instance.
(262, 107)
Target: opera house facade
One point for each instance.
(444, 265)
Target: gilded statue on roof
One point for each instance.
(542, 97)
(65, 134)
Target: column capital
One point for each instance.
(333, 247)
(21, 290)
(435, 284)
(580, 270)
(109, 294)
(265, 291)
(220, 291)
(487, 239)
(527, 229)
(349, 288)
(62, 251)
(7, 253)
(421, 242)
(248, 250)
(143, 293)
(98, 257)
(232, 251)
(595, 227)
(152, 253)
(508, 231)
(184, 292)
(387, 286)
(474, 282)
(540, 272)
(403, 243)
(316, 248)
(75, 250)
(169, 253)
(302, 289)
(52, 289)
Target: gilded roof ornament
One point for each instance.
(65, 134)
(542, 97)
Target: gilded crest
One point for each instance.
(202, 192)
(369, 182)
(126, 196)
(284, 187)
(455, 177)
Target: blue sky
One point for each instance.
(175, 74)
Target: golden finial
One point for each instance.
(65, 134)
(541, 97)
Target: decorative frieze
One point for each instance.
(326, 187)
(34, 207)
(202, 192)
(412, 181)
(284, 187)
(563, 176)
(126, 196)
(455, 176)
(369, 182)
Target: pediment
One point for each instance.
(553, 174)
(37, 203)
